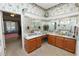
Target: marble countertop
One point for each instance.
(38, 35)
(33, 36)
(61, 35)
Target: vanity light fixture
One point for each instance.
(12, 15)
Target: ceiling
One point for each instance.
(47, 5)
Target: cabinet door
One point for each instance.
(38, 42)
(71, 45)
(64, 44)
(59, 42)
(30, 45)
(51, 39)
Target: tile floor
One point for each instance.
(15, 49)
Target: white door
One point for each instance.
(2, 44)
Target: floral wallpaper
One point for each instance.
(63, 8)
(17, 8)
(33, 9)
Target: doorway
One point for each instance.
(12, 32)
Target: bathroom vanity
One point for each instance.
(63, 42)
(32, 42)
(67, 43)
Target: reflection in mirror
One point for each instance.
(45, 27)
(55, 25)
(52, 26)
(39, 27)
(28, 27)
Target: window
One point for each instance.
(10, 27)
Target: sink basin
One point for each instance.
(31, 34)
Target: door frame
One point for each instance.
(2, 35)
(3, 42)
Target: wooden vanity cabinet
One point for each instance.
(59, 41)
(32, 44)
(51, 40)
(69, 44)
(38, 42)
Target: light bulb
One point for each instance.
(12, 15)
